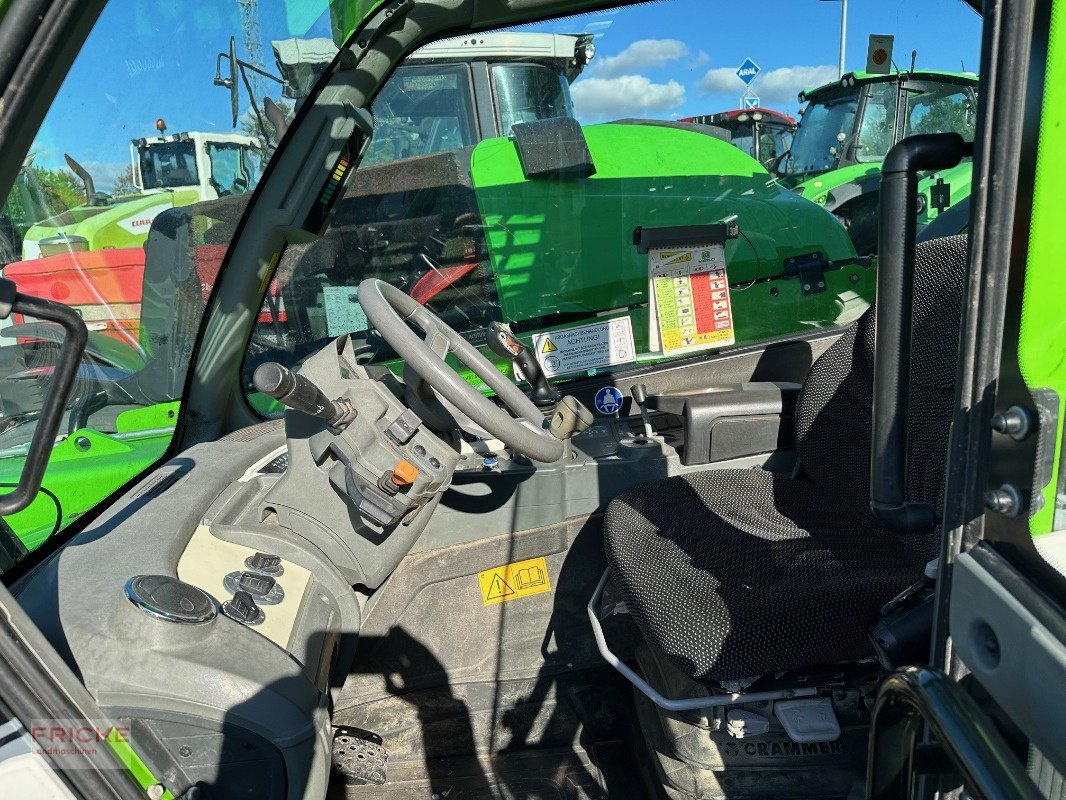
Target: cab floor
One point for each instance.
(607, 770)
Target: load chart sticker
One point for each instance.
(691, 308)
(514, 581)
(601, 344)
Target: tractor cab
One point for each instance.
(847, 127)
(762, 133)
(856, 120)
(213, 164)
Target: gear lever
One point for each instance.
(640, 397)
(504, 344)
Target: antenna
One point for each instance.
(914, 58)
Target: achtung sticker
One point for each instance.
(514, 581)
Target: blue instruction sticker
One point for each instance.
(608, 400)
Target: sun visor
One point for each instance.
(553, 148)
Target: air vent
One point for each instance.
(160, 483)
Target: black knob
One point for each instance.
(243, 608)
(299, 394)
(255, 584)
(267, 563)
(504, 344)
(640, 393)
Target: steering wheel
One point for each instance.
(390, 311)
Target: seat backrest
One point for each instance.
(833, 415)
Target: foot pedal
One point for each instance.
(358, 757)
(808, 720)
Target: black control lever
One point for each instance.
(299, 394)
(640, 397)
(504, 344)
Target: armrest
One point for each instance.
(733, 421)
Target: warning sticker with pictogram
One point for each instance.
(514, 581)
(601, 344)
(690, 308)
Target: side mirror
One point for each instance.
(230, 82)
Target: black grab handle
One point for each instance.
(895, 291)
(915, 697)
(70, 354)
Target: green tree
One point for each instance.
(954, 112)
(124, 185)
(250, 127)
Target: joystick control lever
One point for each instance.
(504, 344)
(299, 394)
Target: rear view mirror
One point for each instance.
(230, 82)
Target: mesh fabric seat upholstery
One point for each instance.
(733, 574)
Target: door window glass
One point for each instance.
(878, 122)
(942, 111)
(108, 215)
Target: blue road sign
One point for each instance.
(748, 71)
(608, 400)
(751, 102)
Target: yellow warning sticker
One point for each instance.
(549, 346)
(514, 581)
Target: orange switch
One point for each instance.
(404, 474)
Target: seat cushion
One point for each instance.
(736, 574)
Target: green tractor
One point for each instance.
(168, 170)
(849, 125)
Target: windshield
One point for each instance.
(818, 139)
(167, 165)
(138, 272)
(444, 204)
(528, 92)
(773, 140)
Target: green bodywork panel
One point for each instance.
(540, 231)
(87, 466)
(867, 176)
(1043, 323)
(124, 223)
(817, 189)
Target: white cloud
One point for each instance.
(104, 173)
(625, 96)
(640, 56)
(778, 87)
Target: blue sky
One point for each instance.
(156, 58)
(679, 58)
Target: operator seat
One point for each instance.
(737, 574)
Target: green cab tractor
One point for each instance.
(849, 125)
(168, 171)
